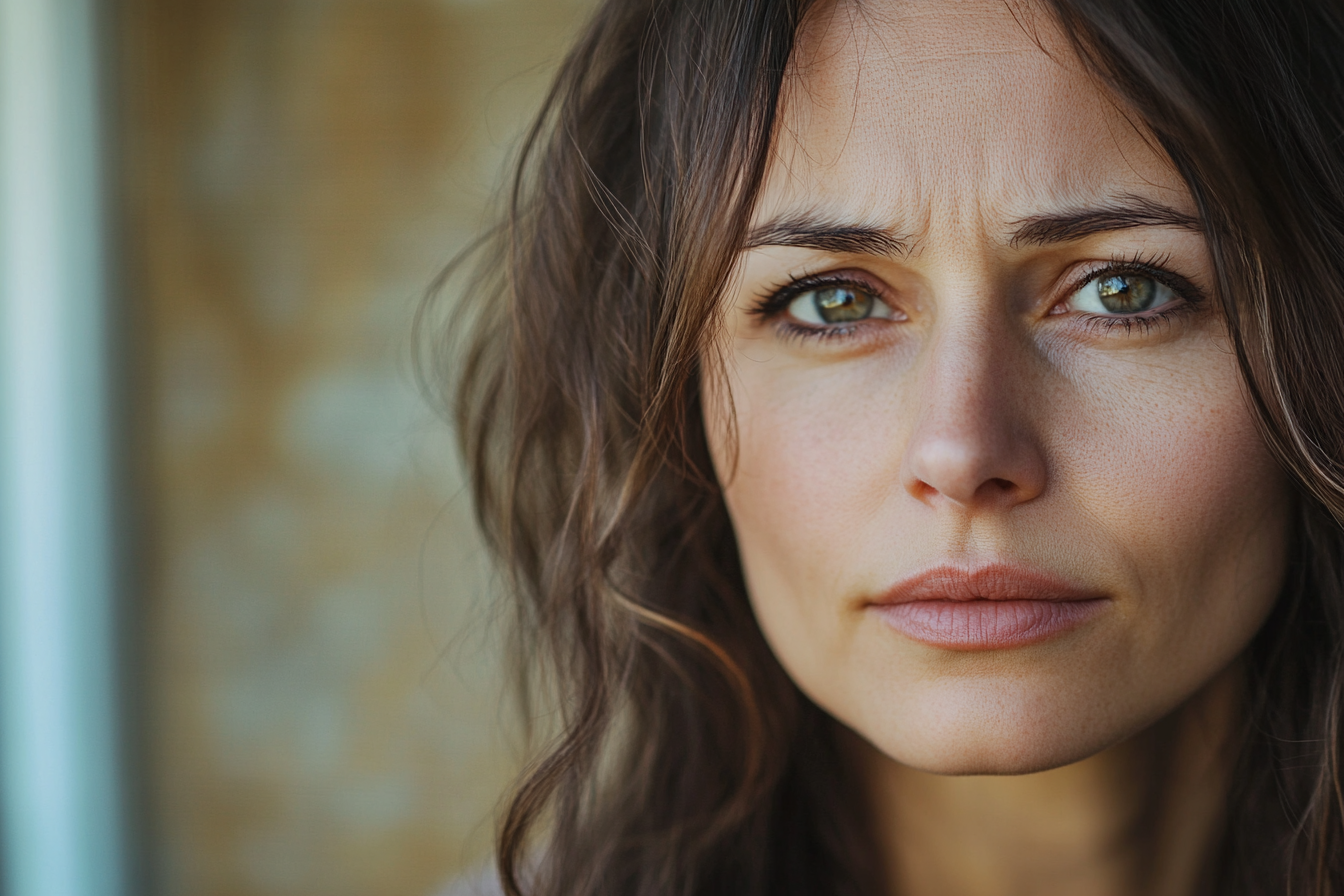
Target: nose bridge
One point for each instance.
(971, 443)
(960, 373)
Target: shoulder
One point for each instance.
(484, 882)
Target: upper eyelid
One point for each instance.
(1159, 270)
(774, 299)
(1158, 267)
(845, 277)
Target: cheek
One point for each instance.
(813, 490)
(1171, 481)
(815, 469)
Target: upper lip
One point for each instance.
(990, 581)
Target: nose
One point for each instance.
(973, 445)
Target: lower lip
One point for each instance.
(986, 624)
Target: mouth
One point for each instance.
(996, 606)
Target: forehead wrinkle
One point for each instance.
(912, 148)
(920, 42)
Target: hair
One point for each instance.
(684, 760)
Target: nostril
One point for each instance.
(923, 491)
(961, 467)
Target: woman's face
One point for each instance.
(999, 497)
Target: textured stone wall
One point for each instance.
(322, 713)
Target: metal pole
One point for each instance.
(62, 815)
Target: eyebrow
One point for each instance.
(1038, 230)
(1075, 224)
(824, 236)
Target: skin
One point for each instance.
(995, 415)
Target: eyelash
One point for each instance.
(1191, 296)
(772, 303)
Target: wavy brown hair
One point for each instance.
(684, 760)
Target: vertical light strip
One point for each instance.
(58, 735)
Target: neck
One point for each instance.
(1137, 818)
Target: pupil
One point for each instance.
(841, 304)
(1126, 294)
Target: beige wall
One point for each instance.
(323, 693)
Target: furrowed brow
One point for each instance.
(840, 239)
(1075, 224)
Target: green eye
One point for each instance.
(1126, 295)
(1120, 294)
(840, 304)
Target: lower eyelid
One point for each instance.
(1144, 322)
(806, 331)
(858, 332)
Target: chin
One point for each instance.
(1011, 733)
(1001, 758)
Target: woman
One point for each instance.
(914, 429)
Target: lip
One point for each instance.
(995, 606)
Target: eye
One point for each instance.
(1115, 293)
(838, 304)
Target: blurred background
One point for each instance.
(255, 652)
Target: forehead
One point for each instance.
(908, 113)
